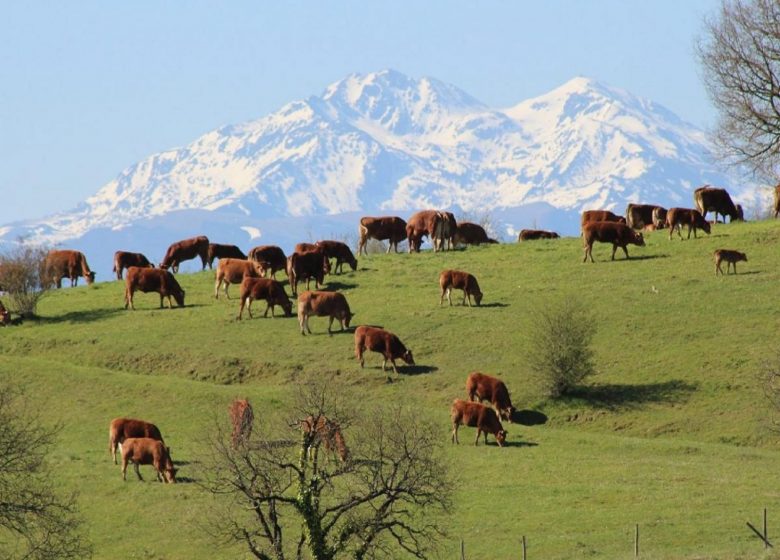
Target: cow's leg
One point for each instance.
(227, 285)
(384, 364)
(161, 301)
(395, 369)
(217, 285)
(359, 352)
(625, 250)
(137, 471)
(479, 432)
(330, 324)
(124, 468)
(449, 295)
(614, 248)
(466, 298)
(454, 438)
(717, 268)
(441, 299)
(302, 322)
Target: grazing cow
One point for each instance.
(717, 200)
(305, 247)
(65, 263)
(382, 341)
(444, 230)
(148, 451)
(233, 271)
(241, 418)
(264, 288)
(124, 259)
(471, 234)
(731, 258)
(491, 389)
(339, 251)
(475, 415)
(600, 216)
(186, 250)
(152, 280)
(270, 256)
(391, 228)
(641, 216)
(5, 316)
(532, 234)
(435, 224)
(776, 206)
(659, 217)
(321, 304)
(676, 218)
(449, 279)
(122, 428)
(305, 266)
(620, 235)
(328, 433)
(221, 251)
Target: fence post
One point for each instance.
(636, 541)
(523, 547)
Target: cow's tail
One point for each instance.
(362, 235)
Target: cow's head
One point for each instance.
(348, 317)
(286, 304)
(325, 264)
(507, 413)
(639, 239)
(407, 357)
(90, 277)
(501, 437)
(258, 268)
(705, 225)
(178, 295)
(353, 264)
(478, 297)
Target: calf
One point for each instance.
(323, 304)
(460, 280)
(471, 234)
(185, 250)
(620, 235)
(325, 431)
(148, 451)
(122, 428)
(152, 280)
(731, 258)
(313, 264)
(391, 228)
(382, 341)
(271, 257)
(241, 418)
(339, 251)
(475, 415)
(233, 271)
(676, 218)
(69, 264)
(491, 389)
(125, 259)
(532, 234)
(221, 251)
(264, 288)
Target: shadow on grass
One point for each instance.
(340, 285)
(415, 370)
(494, 304)
(518, 444)
(641, 257)
(528, 417)
(79, 316)
(616, 396)
(185, 480)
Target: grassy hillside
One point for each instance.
(673, 432)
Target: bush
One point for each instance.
(23, 278)
(560, 353)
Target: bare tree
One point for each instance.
(36, 522)
(23, 277)
(295, 498)
(740, 58)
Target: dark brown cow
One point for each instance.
(233, 271)
(67, 264)
(469, 233)
(185, 250)
(5, 316)
(777, 201)
(676, 218)
(241, 418)
(125, 259)
(620, 235)
(305, 247)
(731, 258)
(475, 415)
(152, 280)
(122, 428)
(642, 216)
(339, 251)
(221, 251)
(391, 228)
(264, 288)
(323, 304)
(717, 200)
(382, 341)
(449, 279)
(147, 451)
(270, 256)
(533, 234)
(492, 389)
(328, 433)
(305, 266)
(600, 216)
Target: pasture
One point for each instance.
(673, 433)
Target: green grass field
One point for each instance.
(673, 433)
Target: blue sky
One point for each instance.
(88, 88)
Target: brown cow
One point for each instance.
(264, 288)
(148, 451)
(339, 251)
(492, 389)
(233, 271)
(221, 251)
(717, 200)
(152, 280)
(435, 224)
(65, 263)
(468, 233)
(382, 341)
(731, 258)
(642, 216)
(328, 433)
(5, 316)
(777, 201)
(313, 264)
(677, 217)
(600, 216)
(270, 256)
(475, 415)
(444, 230)
(391, 228)
(186, 250)
(532, 234)
(304, 247)
(320, 304)
(620, 235)
(449, 279)
(122, 428)
(659, 217)
(125, 259)
(241, 418)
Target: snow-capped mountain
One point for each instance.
(387, 143)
